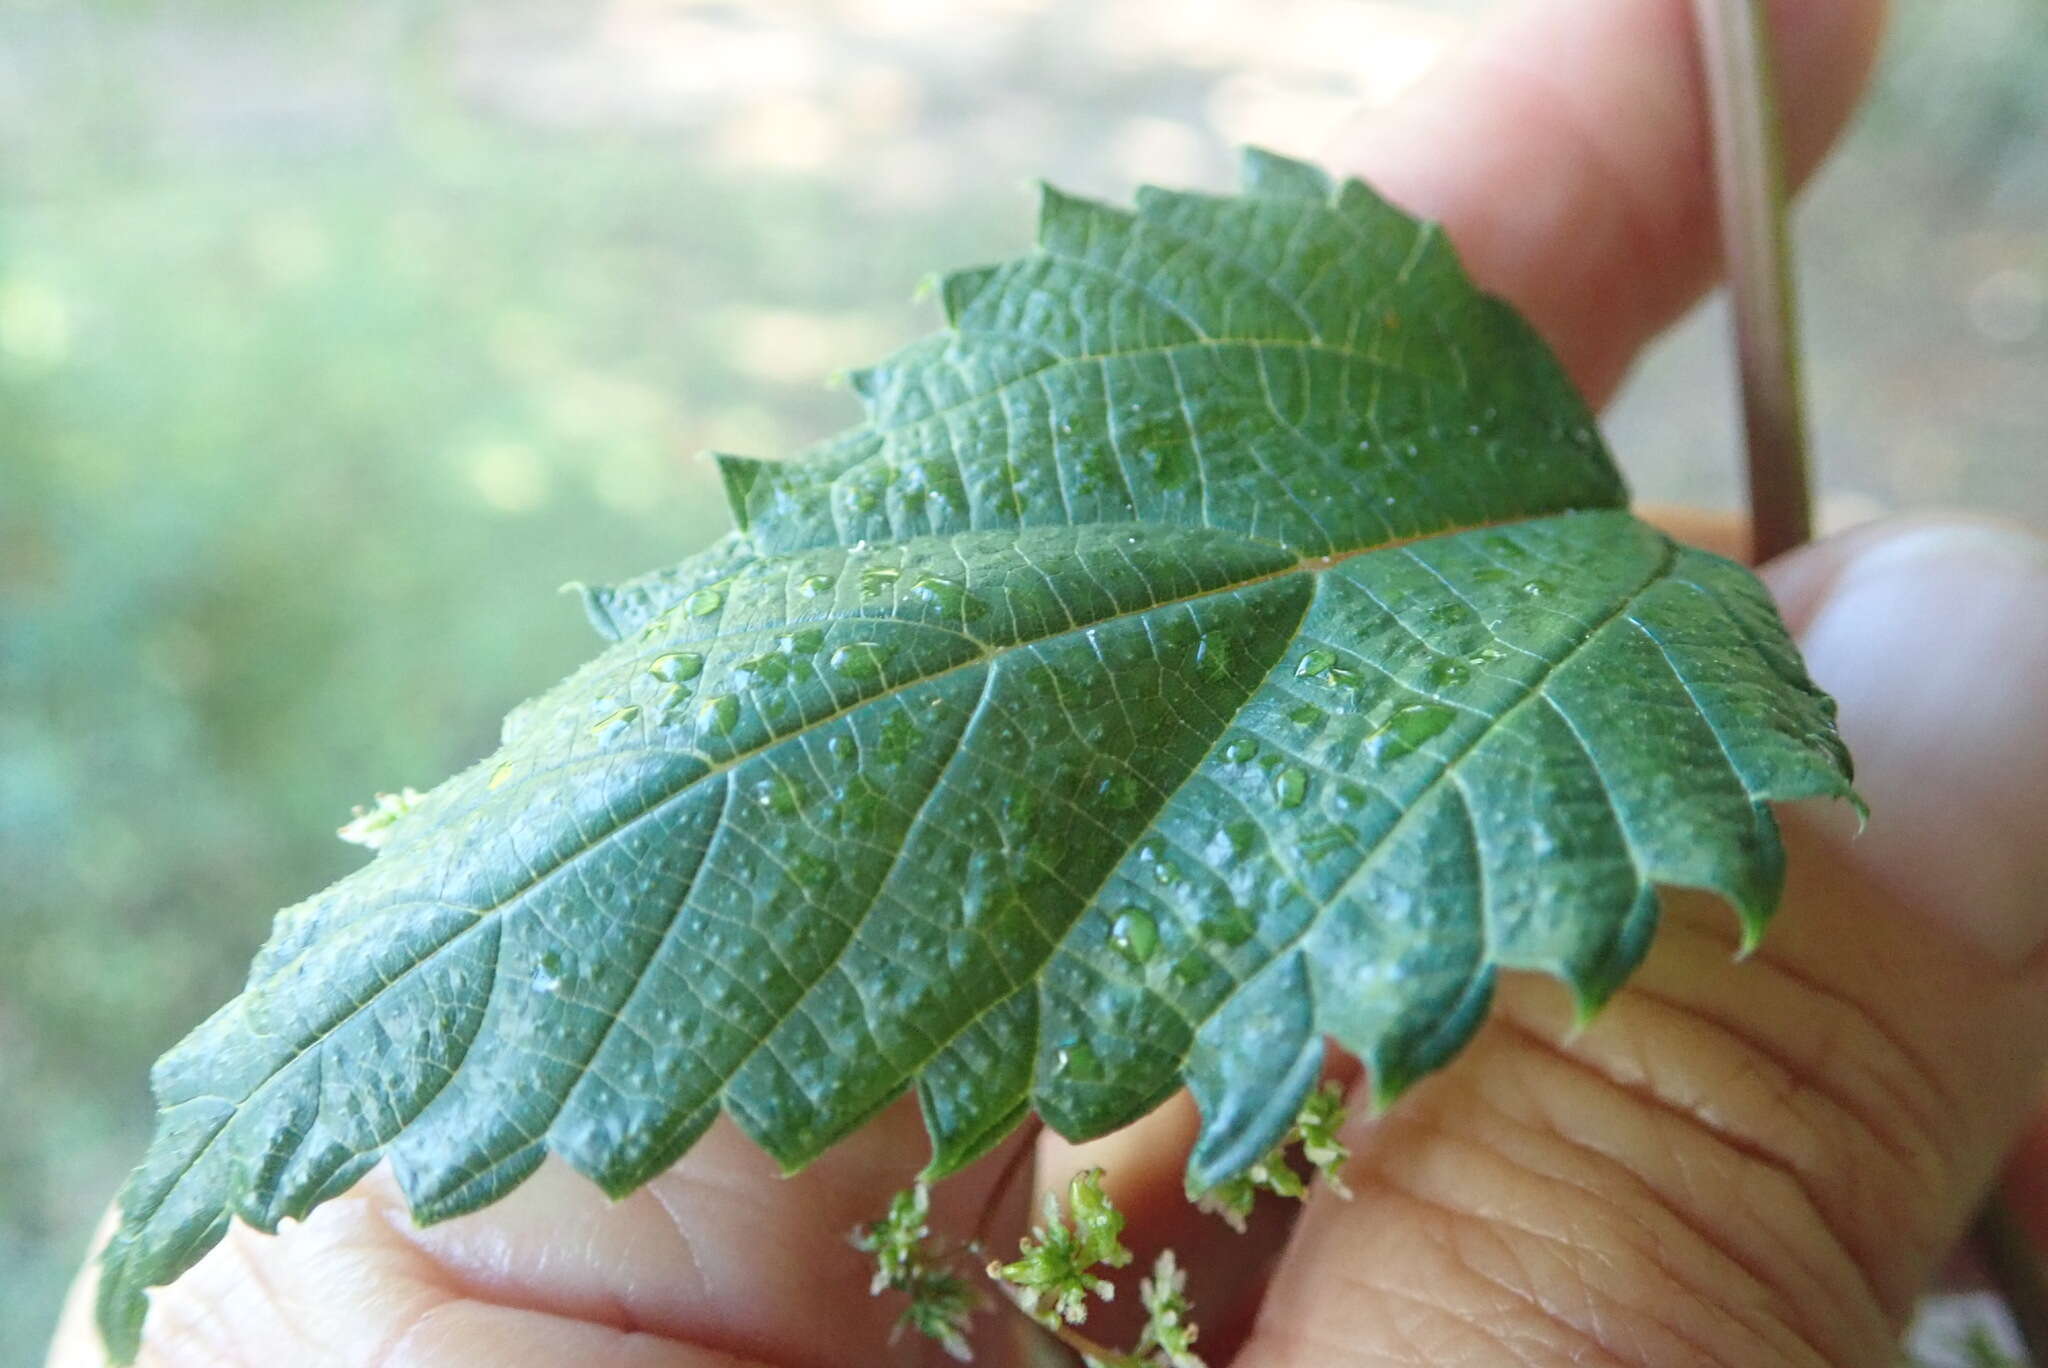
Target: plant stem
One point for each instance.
(1066, 1334)
(1749, 174)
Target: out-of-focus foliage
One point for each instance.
(330, 336)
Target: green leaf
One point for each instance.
(1227, 634)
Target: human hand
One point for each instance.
(1750, 1165)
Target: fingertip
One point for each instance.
(1826, 50)
(1932, 635)
(1565, 150)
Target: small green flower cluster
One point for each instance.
(1060, 1264)
(909, 1260)
(1055, 1273)
(1315, 1130)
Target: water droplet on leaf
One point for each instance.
(676, 666)
(1077, 1060)
(859, 659)
(720, 713)
(1408, 728)
(1230, 925)
(1135, 934)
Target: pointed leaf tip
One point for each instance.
(1269, 173)
(740, 476)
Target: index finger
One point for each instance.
(1566, 152)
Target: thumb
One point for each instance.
(719, 1263)
(1754, 1163)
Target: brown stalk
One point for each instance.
(1749, 174)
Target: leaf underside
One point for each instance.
(1228, 633)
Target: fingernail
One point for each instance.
(1934, 640)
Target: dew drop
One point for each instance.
(1241, 750)
(878, 581)
(502, 774)
(779, 795)
(1304, 714)
(1314, 663)
(813, 585)
(1231, 925)
(547, 973)
(804, 642)
(1135, 934)
(1408, 728)
(1077, 1060)
(676, 666)
(1538, 588)
(720, 713)
(761, 669)
(1290, 786)
(949, 596)
(859, 659)
(704, 602)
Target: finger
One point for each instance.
(1752, 1163)
(1144, 1163)
(1566, 151)
(2025, 1184)
(719, 1261)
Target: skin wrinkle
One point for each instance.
(1923, 1166)
(1622, 1259)
(1922, 1135)
(1797, 1311)
(1468, 1316)
(1926, 1162)
(1873, 1233)
(1927, 1072)
(1751, 1053)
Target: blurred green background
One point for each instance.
(334, 338)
